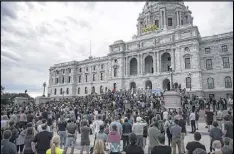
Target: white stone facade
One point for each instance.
(145, 61)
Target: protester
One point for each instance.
(127, 130)
(71, 135)
(99, 147)
(191, 146)
(61, 128)
(85, 141)
(7, 147)
(42, 140)
(132, 148)
(215, 134)
(153, 134)
(176, 134)
(55, 146)
(161, 148)
(29, 136)
(114, 140)
(167, 126)
(137, 128)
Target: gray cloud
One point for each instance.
(8, 10)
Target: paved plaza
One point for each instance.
(189, 137)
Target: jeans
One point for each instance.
(182, 135)
(193, 126)
(140, 141)
(63, 136)
(125, 140)
(84, 147)
(70, 142)
(174, 143)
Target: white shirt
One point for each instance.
(192, 116)
(96, 125)
(165, 115)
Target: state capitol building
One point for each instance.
(167, 44)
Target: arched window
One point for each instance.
(188, 82)
(228, 82)
(61, 91)
(106, 89)
(86, 90)
(115, 72)
(55, 91)
(101, 90)
(210, 83)
(78, 90)
(93, 89)
(67, 90)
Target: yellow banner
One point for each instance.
(149, 28)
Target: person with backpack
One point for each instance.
(168, 124)
(14, 130)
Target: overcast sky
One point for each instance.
(36, 35)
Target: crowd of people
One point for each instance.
(53, 127)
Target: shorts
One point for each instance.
(70, 142)
(209, 122)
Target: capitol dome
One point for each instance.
(163, 15)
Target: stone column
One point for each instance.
(161, 23)
(180, 17)
(172, 59)
(165, 23)
(143, 64)
(159, 62)
(177, 18)
(154, 62)
(138, 64)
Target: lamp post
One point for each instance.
(171, 72)
(44, 85)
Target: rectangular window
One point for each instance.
(94, 77)
(94, 67)
(69, 79)
(182, 22)
(115, 72)
(78, 90)
(102, 66)
(86, 78)
(80, 69)
(169, 21)
(57, 80)
(87, 69)
(226, 62)
(79, 79)
(209, 64)
(101, 76)
(224, 48)
(69, 70)
(207, 50)
(156, 23)
(63, 71)
(187, 63)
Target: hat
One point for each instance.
(138, 119)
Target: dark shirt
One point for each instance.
(43, 140)
(216, 133)
(127, 128)
(182, 124)
(71, 128)
(191, 146)
(27, 143)
(85, 135)
(7, 147)
(210, 115)
(62, 126)
(228, 126)
(133, 149)
(161, 150)
(44, 115)
(30, 118)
